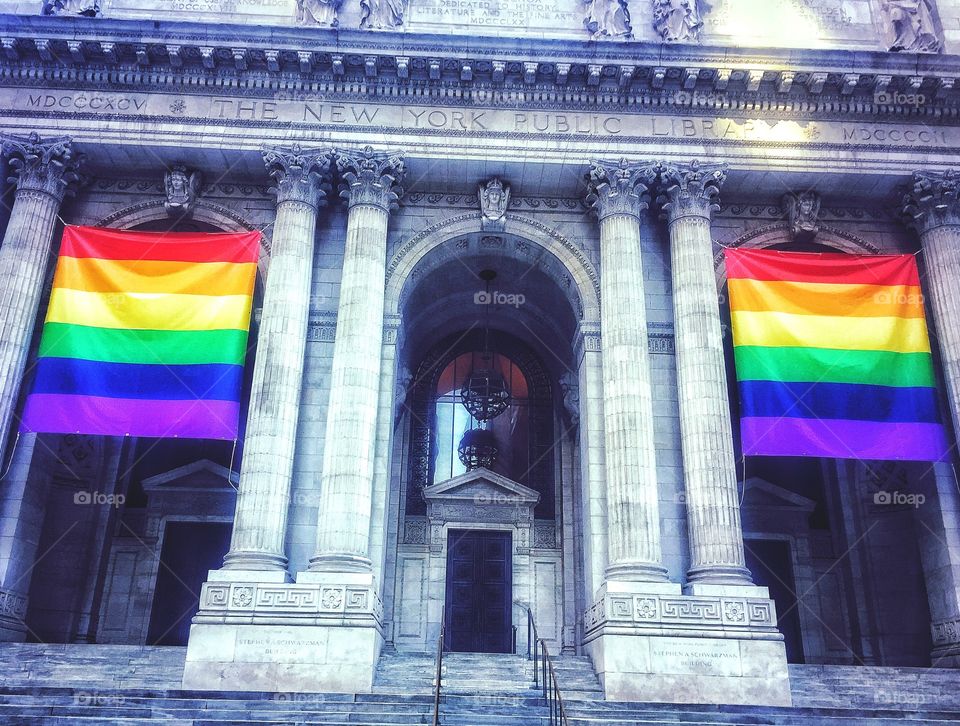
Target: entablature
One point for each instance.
(58, 51)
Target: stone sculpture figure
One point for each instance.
(318, 12)
(678, 21)
(570, 388)
(183, 190)
(910, 26)
(607, 18)
(381, 14)
(87, 8)
(494, 199)
(803, 212)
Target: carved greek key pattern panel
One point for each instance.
(946, 632)
(288, 600)
(12, 605)
(666, 610)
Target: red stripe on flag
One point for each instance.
(110, 244)
(831, 267)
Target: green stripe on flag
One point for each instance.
(115, 345)
(796, 364)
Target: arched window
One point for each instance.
(523, 432)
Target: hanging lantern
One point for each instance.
(485, 394)
(478, 447)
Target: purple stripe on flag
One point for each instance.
(844, 439)
(68, 414)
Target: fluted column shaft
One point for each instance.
(932, 207)
(43, 172)
(618, 193)
(266, 475)
(709, 465)
(347, 476)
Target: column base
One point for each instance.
(318, 635)
(678, 648)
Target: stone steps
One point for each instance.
(98, 686)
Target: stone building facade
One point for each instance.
(596, 156)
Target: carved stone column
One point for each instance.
(643, 634)
(260, 524)
(932, 207)
(709, 468)
(371, 187)
(44, 171)
(619, 195)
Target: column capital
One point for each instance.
(620, 187)
(690, 190)
(299, 175)
(49, 166)
(932, 200)
(370, 177)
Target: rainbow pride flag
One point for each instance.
(145, 335)
(833, 357)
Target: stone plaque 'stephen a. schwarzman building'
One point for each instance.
(491, 372)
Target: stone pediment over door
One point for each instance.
(480, 496)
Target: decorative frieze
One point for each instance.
(654, 611)
(287, 603)
(287, 67)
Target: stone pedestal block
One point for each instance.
(662, 646)
(320, 635)
(690, 669)
(282, 658)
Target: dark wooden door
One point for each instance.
(479, 591)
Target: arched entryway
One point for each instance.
(487, 540)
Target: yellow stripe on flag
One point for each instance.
(901, 335)
(148, 311)
(156, 276)
(809, 298)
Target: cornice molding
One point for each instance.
(481, 70)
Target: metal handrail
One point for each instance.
(436, 689)
(551, 686)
